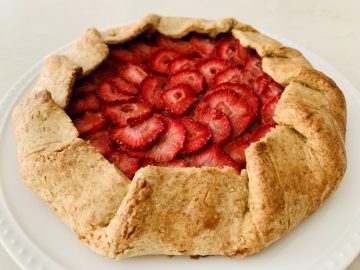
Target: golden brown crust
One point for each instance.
(128, 32)
(188, 211)
(183, 217)
(75, 180)
(88, 52)
(262, 44)
(40, 124)
(175, 27)
(58, 76)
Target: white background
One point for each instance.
(29, 30)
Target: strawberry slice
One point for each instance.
(212, 156)
(159, 61)
(140, 136)
(236, 150)
(268, 109)
(211, 67)
(151, 89)
(84, 103)
(90, 123)
(101, 141)
(203, 45)
(261, 132)
(102, 73)
(234, 75)
(244, 91)
(178, 45)
(232, 105)
(183, 64)
(142, 49)
(127, 165)
(273, 90)
(178, 100)
(169, 144)
(219, 124)
(192, 78)
(134, 73)
(110, 93)
(127, 113)
(123, 86)
(123, 54)
(229, 48)
(266, 88)
(197, 135)
(253, 64)
(261, 83)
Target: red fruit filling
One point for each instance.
(190, 102)
(101, 141)
(194, 79)
(140, 136)
(177, 100)
(197, 135)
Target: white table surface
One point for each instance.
(32, 29)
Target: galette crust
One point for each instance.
(40, 124)
(58, 76)
(185, 211)
(88, 52)
(175, 27)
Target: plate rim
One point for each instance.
(25, 253)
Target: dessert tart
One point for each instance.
(181, 136)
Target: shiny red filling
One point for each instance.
(191, 102)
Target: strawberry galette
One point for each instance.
(181, 136)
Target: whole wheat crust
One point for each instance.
(184, 211)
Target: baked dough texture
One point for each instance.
(185, 211)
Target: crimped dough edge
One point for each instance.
(185, 211)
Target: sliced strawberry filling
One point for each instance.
(89, 123)
(128, 165)
(127, 113)
(203, 45)
(232, 105)
(244, 91)
(134, 73)
(142, 50)
(111, 90)
(101, 141)
(177, 100)
(140, 136)
(160, 60)
(190, 102)
(183, 64)
(218, 123)
(211, 67)
(212, 156)
(181, 46)
(230, 49)
(194, 79)
(197, 135)
(84, 103)
(151, 90)
(168, 145)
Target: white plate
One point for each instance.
(37, 239)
